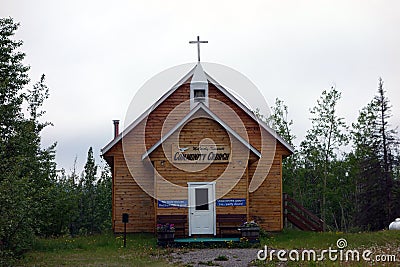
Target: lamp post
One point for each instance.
(125, 220)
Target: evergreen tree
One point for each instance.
(374, 157)
(74, 193)
(103, 200)
(88, 184)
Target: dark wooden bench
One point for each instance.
(230, 222)
(179, 222)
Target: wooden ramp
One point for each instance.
(299, 216)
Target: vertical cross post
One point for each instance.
(198, 42)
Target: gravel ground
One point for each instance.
(206, 257)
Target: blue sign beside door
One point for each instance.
(181, 203)
(231, 202)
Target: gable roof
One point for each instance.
(201, 106)
(173, 89)
(251, 114)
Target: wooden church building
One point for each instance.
(200, 158)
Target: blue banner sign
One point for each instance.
(231, 202)
(181, 203)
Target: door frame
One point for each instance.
(192, 185)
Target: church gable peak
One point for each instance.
(198, 87)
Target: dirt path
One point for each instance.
(215, 257)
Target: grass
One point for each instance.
(293, 239)
(142, 250)
(221, 258)
(380, 243)
(96, 250)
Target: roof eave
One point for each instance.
(251, 114)
(177, 85)
(147, 112)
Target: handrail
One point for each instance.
(300, 216)
(303, 209)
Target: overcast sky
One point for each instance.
(97, 54)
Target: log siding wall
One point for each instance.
(264, 205)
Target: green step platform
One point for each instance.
(207, 240)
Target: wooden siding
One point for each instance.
(230, 183)
(128, 196)
(175, 107)
(264, 204)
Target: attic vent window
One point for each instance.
(199, 95)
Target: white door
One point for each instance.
(201, 208)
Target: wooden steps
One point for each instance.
(300, 217)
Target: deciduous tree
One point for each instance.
(322, 144)
(26, 170)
